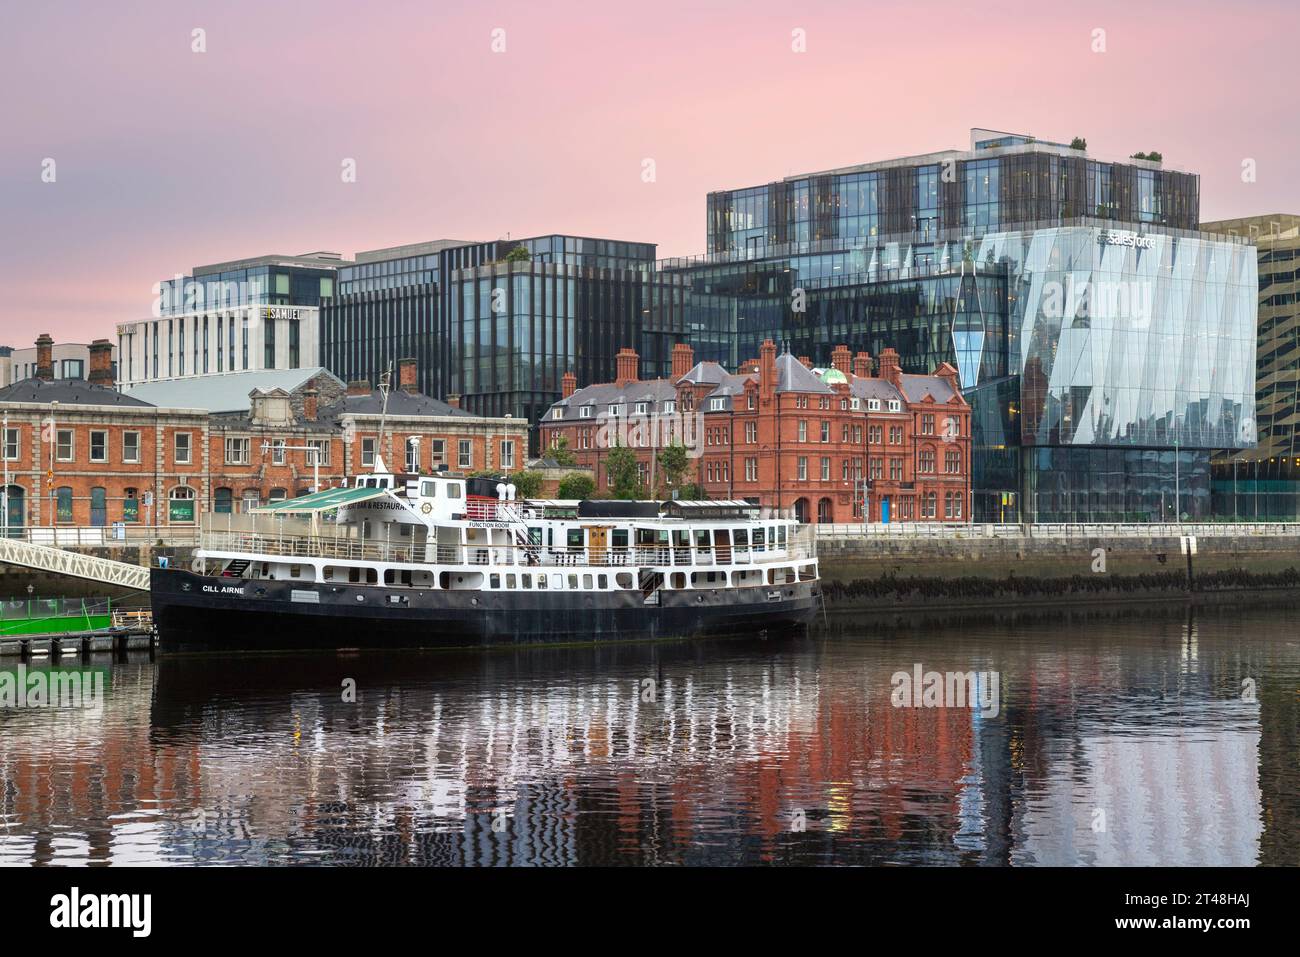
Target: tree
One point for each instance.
(1153, 156)
(518, 255)
(576, 485)
(691, 492)
(561, 453)
(528, 484)
(624, 476)
(673, 463)
(1078, 143)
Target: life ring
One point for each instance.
(426, 508)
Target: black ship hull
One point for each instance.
(196, 613)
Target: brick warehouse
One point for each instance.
(81, 453)
(814, 443)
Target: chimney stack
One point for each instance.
(683, 360)
(568, 385)
(101, 364)
(453, 400)
(889, 369)
(842, 359)
(45, 357)
(627, 363)
(807, 362)
(406, 376)
(310, 397)
(767, 369)
(359, 387)
(862, 365)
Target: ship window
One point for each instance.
(623, 579)
(534, 536)
(573, 581)
(740, 537)
(295, 571)
(541, 581)
(575, 538)
(701, 538)
(494, 581)
(453, 489)
(557, 581)
(586, 581)
(528, 581)
(429, 489)
(602, 581)
(760, 537)
(618, 538)
(512, 581)
(780, 534)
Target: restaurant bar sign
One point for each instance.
(281, 312)
(1126, 237)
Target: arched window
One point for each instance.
(825, 511)
(180, 506)
(15, 509)
(223, 501)
(63, 504)
(801, 510)
(252, 498)
(278, 495)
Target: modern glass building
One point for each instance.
(1106, 345)
(272, 280)
(495, 327)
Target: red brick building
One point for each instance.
(78, 452)
(816, 444)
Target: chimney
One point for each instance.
(948, 372)
(101, 364)
(627, 362)
(568, 385)
(747, 367)
(862, 365)
(453, 400)
(359, 387)
(683, 360)
(767, 369)
(309, 399)
(807, 363)
(842, 359)
(406, 376)
(889, 370)
(45, 357)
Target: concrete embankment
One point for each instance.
(904, 573)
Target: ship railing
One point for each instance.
(351, 549)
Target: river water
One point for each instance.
(1133, 737)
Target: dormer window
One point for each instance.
(716, 405)
(670, 406)
(613, 411)
(750, 400)
(584, 412)
(855, 403)
(642, 408)
(557, 414)
(873, 405)
(895, 405)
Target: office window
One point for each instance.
(63, 445)
(181, 448)
(131, 447)
(237, 451)
(98, 446)
(465, 454)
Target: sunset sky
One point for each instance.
(166, 158)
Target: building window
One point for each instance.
(927, 458)
(63, 445)
(318, 452)
(465, 454)
(584, 412)
(669, 406)
(557, 413)
(367, 453)
(413, 454)
(896, 470)
(927, 423)
(952, 462)
(278, 495)
(252, 498)
(751, 433)
(873, 405)
(826, 431)
(642, 408)
(277, 452)
(876, 469)
(131, 447)
(268, 339)
(98, 446)
(180, 506)
(223, 501)
(803, 468)
(507, 455)
(895, 435)
(63, 504)
(895, 405)
(751, 470)
(613, 411)
(11, 445)
(928, 504)
(826, 469)
(803, 430)
(717, 405)
(237, 451)
(438, 450)
(181, 442)
(130, 505)
(952, 427)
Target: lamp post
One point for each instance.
(49, 475)
(4, 490)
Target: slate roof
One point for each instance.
(399, 403)
(793, 376)
(916, 386)
(605, 394)
(224, 392)
(68, 392)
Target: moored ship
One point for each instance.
(443, 561)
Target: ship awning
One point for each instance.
(330, 498)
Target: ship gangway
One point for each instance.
(46, 558)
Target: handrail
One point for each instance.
(920, 530)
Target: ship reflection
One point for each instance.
(1113, 745)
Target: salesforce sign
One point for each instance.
(1125, 237)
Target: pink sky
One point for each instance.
(168, 158)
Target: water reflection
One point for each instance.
(1120, 738)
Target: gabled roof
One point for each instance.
(705, 373)
(226, 391)
(68, 392)
(915, 388)
(654, 391)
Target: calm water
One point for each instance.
(1134, 721)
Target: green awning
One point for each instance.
(322, 501)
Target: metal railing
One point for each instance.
(66, 536)
(350, 549)
(928, 530)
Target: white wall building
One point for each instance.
(216, 341)
(71, 361)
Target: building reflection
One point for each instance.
(555, 756)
